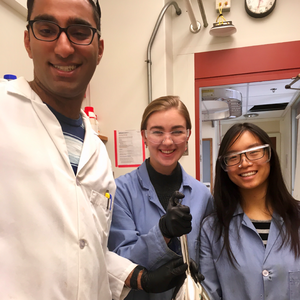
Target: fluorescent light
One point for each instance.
(251, 115)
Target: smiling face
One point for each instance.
(164, 156)
(63, 69)
(249, 175)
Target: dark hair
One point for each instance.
(165, 103)
(227, 195)
(96, 9)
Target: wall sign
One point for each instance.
(129, 148)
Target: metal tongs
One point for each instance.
(192, 290)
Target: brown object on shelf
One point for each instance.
(103, 138)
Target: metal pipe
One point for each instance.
(202, 11)
(193, 290)
(149, 62)
(195, 26)
(288, 86)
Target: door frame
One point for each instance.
(242, 65)
(210, 161)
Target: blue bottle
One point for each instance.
(9, 77)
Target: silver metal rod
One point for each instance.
(202, 11)
(288, 86)
(185, 250)
(195, 26)
(194, 290)
(149, 62)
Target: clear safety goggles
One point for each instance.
(251, 154)
(177, 136)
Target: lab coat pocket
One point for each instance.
(294, 283)
(102, 214)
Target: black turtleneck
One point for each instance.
(164, 185)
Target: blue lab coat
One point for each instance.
(262, 273)
(135, 233)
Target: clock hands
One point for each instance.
(258, 5)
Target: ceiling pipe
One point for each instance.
(288, 86)
(195, 25)
(149, 62)
(202, 11)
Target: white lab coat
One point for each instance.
(53, 225)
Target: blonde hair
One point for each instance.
(165, 103)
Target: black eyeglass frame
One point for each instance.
(265, 147)
(63, 29)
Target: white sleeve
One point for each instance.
(118, 270)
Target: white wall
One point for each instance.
(13, 56)
(119, 87)
(275, 28)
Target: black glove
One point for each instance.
(164, 278)
(177, 220)
(197, 276)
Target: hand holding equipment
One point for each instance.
(177, 220)
(164, 278)
(194, 269)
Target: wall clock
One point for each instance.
(259, 8)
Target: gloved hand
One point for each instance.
(164, 278)
(177, 220)
(197, 276)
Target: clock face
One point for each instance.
(259, 8)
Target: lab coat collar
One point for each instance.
(89, 143)
(274, 233)
(22, 88)
(145, 182)
(275, 228)
(238, 210)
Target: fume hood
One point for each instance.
(219, 104)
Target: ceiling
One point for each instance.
(260, 93)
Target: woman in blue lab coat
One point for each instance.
(146, 222)
(250, 247)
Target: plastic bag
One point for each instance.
(190, 290)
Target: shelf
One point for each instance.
(103, 138)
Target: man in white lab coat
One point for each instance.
(56, 183)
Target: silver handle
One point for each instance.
(194, 290)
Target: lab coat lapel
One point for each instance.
(145, 182)
(53, 128)
(273, 235)
(248, 223)
(47, 118)
(89, 147)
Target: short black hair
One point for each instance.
(96, 9)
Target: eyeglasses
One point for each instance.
(158, 136)
(251, 154)
(48, 31)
